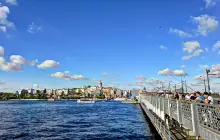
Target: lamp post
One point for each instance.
(207, 75)
(204, 82)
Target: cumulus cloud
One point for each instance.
(12, 2)
(215, 69)
(17, 59)
(10, 67)
(216, 47)
(4, 23)
(190, 46)
(154, 81)
(1, 51)
(180, 32)
(33, 28)
(77, 77)
(163, 47)
(168, 72)
(61, 75)
(47, 64)
(65, 75)
(209, 3)
(205, 24)
(196, 53)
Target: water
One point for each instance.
(63, 120)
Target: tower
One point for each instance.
(100, 84)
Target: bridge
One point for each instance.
(176, 119)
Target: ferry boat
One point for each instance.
(85, 101)
(51, 100)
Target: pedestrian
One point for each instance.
(208, 98)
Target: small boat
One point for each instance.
(120, 99)
(84, 101)
(51, 100)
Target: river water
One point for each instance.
(67, 120)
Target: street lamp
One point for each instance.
(204, 82)
(207, 74)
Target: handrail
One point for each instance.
(202, 119)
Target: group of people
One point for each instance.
(202, 98)
(195, 97)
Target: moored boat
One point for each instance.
(120, 99)
(84, 101)
(51, 100)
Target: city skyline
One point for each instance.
(126, 44)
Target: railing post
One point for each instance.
(179, 117)
(195, 122)
(169, 106)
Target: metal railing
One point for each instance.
(202, 119)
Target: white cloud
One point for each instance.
(1, 51)
(61, 75)
(204, 66)
(33, 28)
(4, 11)
(140, 79)
(12, 2)
(64, 75)
(168, 72)
(163, 47)
(196, 53)
(77, 77)
(216, 47)
(205, 24)
(9, 67)
(154, 81)
(209, 3)
(180, 32)
(206, 49)
(190, 46)
(47, 64)
(216, 68)
(182, 66)
(33, 62)
(3, 29)
(17, 59)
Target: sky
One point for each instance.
(124, 43)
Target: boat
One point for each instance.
(119, 99)
(85, 101)
(51, 100)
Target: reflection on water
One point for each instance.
(28, 120)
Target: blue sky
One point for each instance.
(129, 41)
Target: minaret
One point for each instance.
(100, 84)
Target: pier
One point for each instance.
(176, 119)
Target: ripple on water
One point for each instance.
(40, 120)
